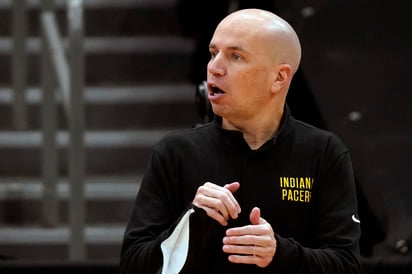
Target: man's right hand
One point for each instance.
(218, 202)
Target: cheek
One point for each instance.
(247, 78)
(256, 79)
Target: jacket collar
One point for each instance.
(235, 137)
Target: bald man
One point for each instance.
(254, 191)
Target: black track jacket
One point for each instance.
(302, 180)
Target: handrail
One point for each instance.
(49, 122)
(57, 54)
(68, 75)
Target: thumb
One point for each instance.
(255, 216)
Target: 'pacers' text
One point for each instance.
(297, 189)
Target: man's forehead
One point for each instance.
(230, 41)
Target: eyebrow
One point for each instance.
(231, 48)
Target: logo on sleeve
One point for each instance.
(356, 220)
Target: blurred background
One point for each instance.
(87, 87)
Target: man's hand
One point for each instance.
(251, 244)
(218, 202)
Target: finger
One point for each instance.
(244, 259)
(229, 201)
(217, 198)
(265, 238)
(250, 259)
(216, 215)
(262, 255)
(243, 240)
(208, 199)
(233, 187)
(244, 250)
(225, 195)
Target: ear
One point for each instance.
(283, 77)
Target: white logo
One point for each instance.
(356, 220)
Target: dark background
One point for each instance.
(354, 79)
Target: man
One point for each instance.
(255, 191)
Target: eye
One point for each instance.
(236, 57)
(213, 53)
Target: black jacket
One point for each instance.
(302, 180)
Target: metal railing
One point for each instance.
(63, 73)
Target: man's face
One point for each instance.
(239, 72)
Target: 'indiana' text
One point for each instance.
(296, 189)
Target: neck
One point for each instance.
(258, 130)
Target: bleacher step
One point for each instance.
(115, 45)
(106, 152)
(92, 139)
(103, 234)
(153, 93)
(37, 244)
(115, 107)
(107, 199)
(100, 3)
(119, 187)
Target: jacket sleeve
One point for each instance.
(154, 217)
(335, 233)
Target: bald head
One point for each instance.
(279, 39)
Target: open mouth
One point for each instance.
(214, 90)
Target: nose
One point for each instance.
(215, 66)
